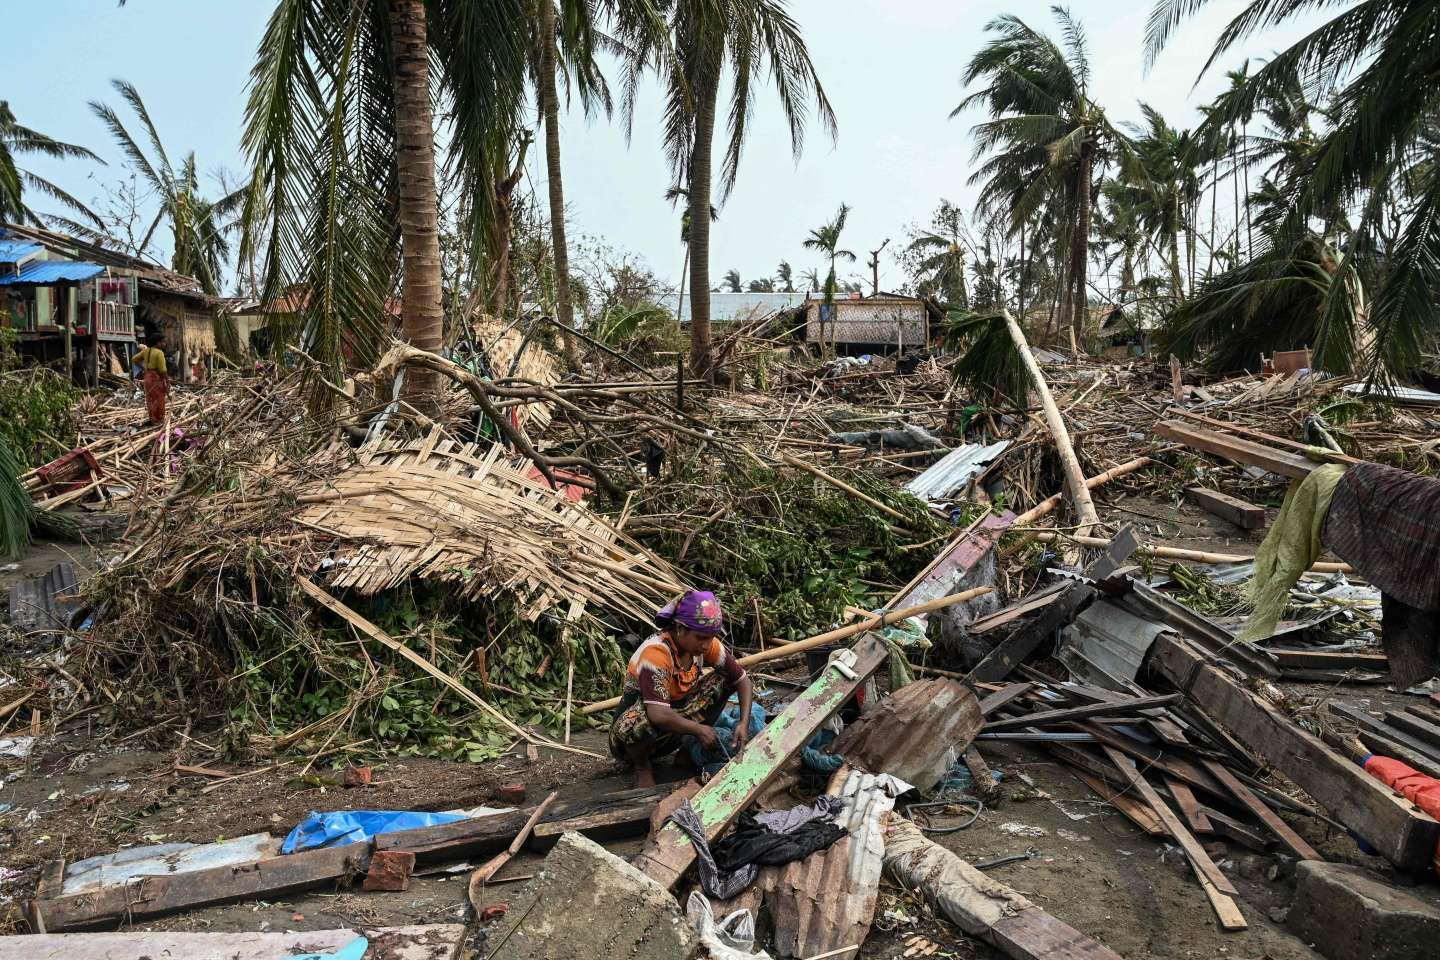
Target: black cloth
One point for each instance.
(751, 842)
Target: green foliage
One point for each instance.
(991, 368)
(799, 548)
(37, 418)
(15, 509)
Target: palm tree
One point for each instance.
(17, 140)
(341, 139)
(786, 277)
(732, 282)
(680, 193)
(706, 39)
(811, 279)
(826, 239)
(1046, 138)
(940, 257)
(575, 45)
(763, 285)
(1376, 60)
(199, 227)
(1164, 162)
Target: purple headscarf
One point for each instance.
(696, 609)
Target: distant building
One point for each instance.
(882, 321)
(72, 300)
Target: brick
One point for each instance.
(1344, 913)
(509, 793)
(390, 871)
(358, 776)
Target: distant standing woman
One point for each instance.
(665, 695)
(151, 362)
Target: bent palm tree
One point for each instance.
(706, 40)
(1046, 138)
(340, 136)
(1375, 60)
(17, 140)
(199, 227)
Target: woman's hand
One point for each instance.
(707, 736)
(741, 737)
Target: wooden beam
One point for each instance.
(1228, 827)
(1246, 516)
(1184, 798)
(1000, 698)
(1320, 660)
(1217, 887)
(1009, 654)
(1415, 725)
(1262, 812)
(669, 852)
(1403, 833)
(1390, 741)
(1235, 449)
(1119, 708)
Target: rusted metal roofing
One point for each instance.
(917, 733)
(45, 604)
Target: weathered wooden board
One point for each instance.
(436, 942)
(1124, 707)
(669, 852)
(1246, 516)
(1184, 798)
(1263, 813)
(1009, 694)
(1319, 660)
(1235, 449)
(1403, 833)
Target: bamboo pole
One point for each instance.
(1194, 556)
(842, 485)
(831, 636)
(1049, 504)
(1074, 477)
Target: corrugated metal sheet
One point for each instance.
(1106, 645)
(13, 251)
(1403, 395)
(955, 470)
(52, 271)
(916, 733)
(45, 604)
(827, 900)
(733, 307)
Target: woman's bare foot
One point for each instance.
(644, 777)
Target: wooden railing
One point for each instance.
(114, 321)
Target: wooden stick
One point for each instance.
(842, 485)
(1194, 556)
(482, 875)
(831, 636)
(1074, 478)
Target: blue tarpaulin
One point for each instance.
(356, 826)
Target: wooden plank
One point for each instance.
(669, 852)
(1153, 758)
(1262, 812)
(1246, 516)
(1416, 726)
(1235, 449)
(1184, 798)
(980, 905)
(1138, 813)
(1009, 694)
(433, 942)
(998, 663)
(1104, 709)
(1405, 835)
(1228, 827)
(1199, 859)
(52, 880)
(1321, 660)
(277, 876)
(1016, 610)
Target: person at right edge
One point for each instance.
(666, 697)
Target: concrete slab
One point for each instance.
(434, 942)
(1344, 913)
(586, 902)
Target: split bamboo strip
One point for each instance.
(1194, 556)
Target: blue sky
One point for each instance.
(890, 67)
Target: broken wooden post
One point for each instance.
(1049, 504)
(1246, 516)
(1403, 833)
(1085, 515)
(1235, 449)
(669, 852)
(1177, 381)
(979, 905)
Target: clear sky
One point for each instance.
(890, 67)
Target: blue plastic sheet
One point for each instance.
(356, 826)
(353, 950)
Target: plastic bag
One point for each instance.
(731, 939)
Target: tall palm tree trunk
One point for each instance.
(422, 314)
(706, 93)
(1080, 243)
(550, 105)
(1020, 279)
